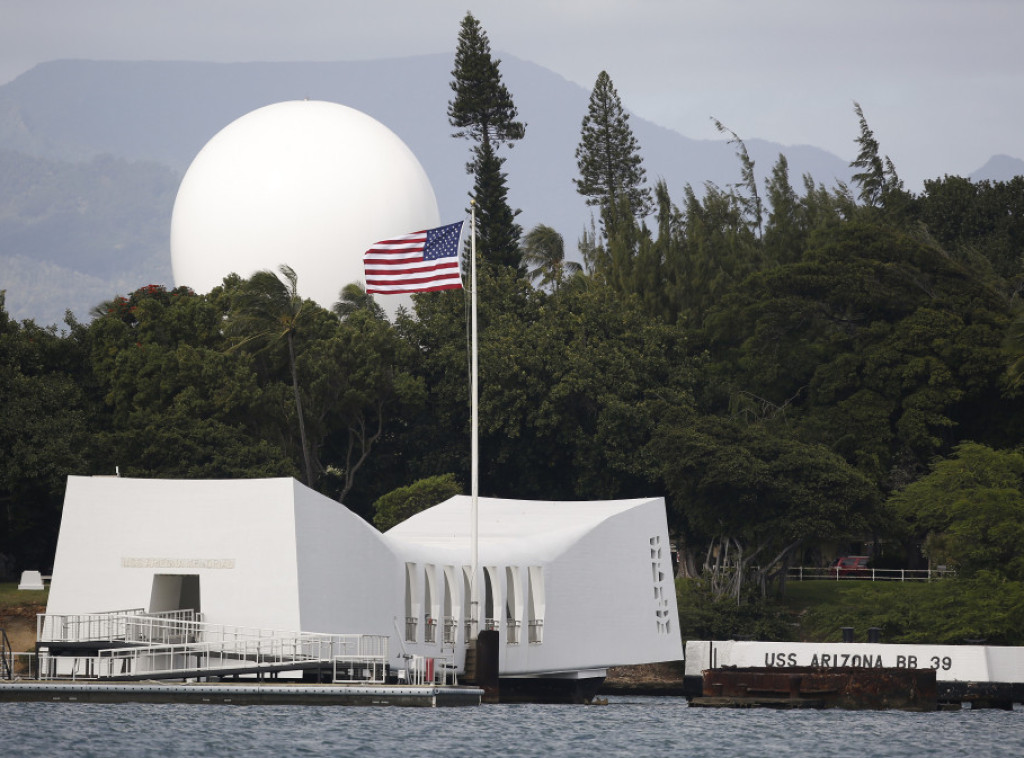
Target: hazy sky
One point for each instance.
(941, 81)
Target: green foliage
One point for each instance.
(786, 230)
(608, 158)
(750, 201)
(43, 438)
(567, 397)
(398, 505)
(982, 223)
(482, 109)
(497, 239)
(703, 616)
(970, 509)
(876, 344)
(944, 612)
(179, 404)
(544, 254)
(755, 493)
(359, 379)
(483, 112)
(353, 298)
(880, 187)
(266, 310)
(877, 177)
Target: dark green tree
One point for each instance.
(754, 494)
(399, 504)
(875, 343)
(43, 438)
(749, 197)
(354, 298)
(358, 373)
(544, 255)
(876, 176)
(567, 386)
(176, 401)
(266, 311)
(785, 233)
(608, 157)
(717, 249)
(969, 510)
(482, 111)
(981, 222)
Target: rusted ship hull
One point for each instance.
(815, 687)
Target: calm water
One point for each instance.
(632, 726)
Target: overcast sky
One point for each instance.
(941, 81)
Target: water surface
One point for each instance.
(637, 727)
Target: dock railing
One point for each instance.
(84, 627)
(23, 665)
(353, 657)
(178, 643)
(438, 669)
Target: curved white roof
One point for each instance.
(507, 528)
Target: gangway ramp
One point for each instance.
(133, 645)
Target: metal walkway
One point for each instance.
(133, 645)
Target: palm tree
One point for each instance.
(354, 297)
(544, 254)
(266, 310)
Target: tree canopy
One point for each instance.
(482, 111)
(608, 157)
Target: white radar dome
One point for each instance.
(309, 184)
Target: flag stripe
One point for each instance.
(419, 276)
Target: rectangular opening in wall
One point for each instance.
(175, 592)
(661, 604)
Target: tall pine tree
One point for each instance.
(483, 112)
(611, 169)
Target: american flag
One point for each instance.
(421, 262)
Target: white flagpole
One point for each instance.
(475, 443)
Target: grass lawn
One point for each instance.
(12, 597)
(801, 595)
(18, 610)
(821, 608)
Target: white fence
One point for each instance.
(177, 643)
(85, 627)
(836, 574)
(437, 670)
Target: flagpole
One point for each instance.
(475, 442)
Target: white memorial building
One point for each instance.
(571, 588)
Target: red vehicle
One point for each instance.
(851, 565)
